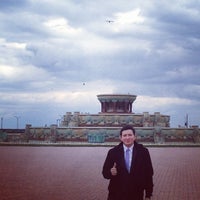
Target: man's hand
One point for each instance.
(113, 170)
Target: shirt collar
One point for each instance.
(125, 147)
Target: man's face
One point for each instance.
(127, 137)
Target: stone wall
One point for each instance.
(115, 120)
(54, 134)
(14, 135)
(111, 134)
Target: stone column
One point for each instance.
(27, 133)
(130, 107)
(103, 106)
(126, 107)
(53, 135)
(114, 105)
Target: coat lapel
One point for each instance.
(134, 156)
(121, 156)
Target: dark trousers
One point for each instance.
(138, 196)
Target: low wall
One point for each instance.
(55, 134)
(99, 135)
(14, 135)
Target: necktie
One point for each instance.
(127, 159)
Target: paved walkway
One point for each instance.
(74, 173)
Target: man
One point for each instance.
(129, 168)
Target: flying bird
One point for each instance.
(109, 21)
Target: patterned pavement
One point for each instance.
(74, 173)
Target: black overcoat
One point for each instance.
(129, 186)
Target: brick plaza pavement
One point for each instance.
(74, 173)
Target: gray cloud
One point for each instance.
(48, 50)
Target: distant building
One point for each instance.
(116, 110)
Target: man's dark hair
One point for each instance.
(127, 127)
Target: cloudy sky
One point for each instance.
(57, 56)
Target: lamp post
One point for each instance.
(58, 122)
(1, 122)
(17, 118)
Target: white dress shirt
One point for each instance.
(130, 153)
